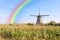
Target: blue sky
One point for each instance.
(47, 7)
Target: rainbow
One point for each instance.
(16, 11)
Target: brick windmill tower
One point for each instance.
(39, 18)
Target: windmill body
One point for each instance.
(39, 21)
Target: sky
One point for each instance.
(47, 7)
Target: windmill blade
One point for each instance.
(39, 11)
(44, 15)
(33, 15)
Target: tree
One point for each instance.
(30, 24)
(52, 23)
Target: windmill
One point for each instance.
(39, 18)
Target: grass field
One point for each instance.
(29, 32)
